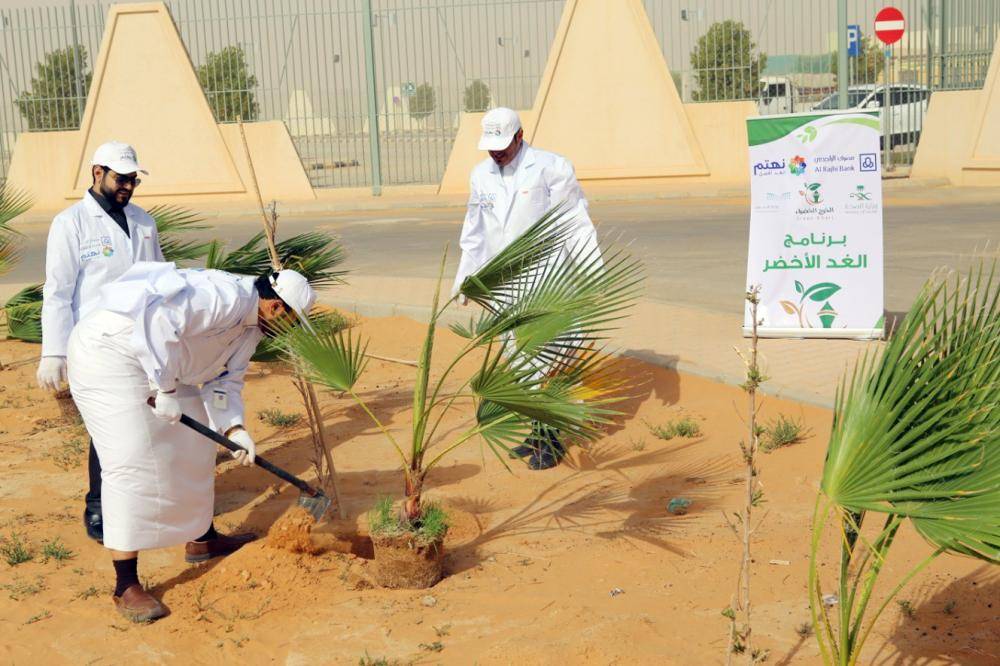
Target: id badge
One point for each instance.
(220, 399)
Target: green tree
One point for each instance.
(477, 96)
(867, 66)
(726, 63)
(423, 101)
(228, 84)
(58, 93)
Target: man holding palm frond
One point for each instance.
(508, 193)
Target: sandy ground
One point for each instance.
(578, 565)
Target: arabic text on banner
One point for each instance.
(816, 224)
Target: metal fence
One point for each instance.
(334, 70)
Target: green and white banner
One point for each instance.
(816, 224)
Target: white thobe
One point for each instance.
(161, 328)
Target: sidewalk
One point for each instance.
(691, 340)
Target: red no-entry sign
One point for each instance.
(889, 25)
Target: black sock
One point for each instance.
(210, 534)
(127, 573)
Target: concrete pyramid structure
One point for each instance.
(607, 100)
(145, 92)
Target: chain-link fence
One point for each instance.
(317, 66)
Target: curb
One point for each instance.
(422, 314)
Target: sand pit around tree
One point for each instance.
(581, 564)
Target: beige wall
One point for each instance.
(960, 138)
(145, 92)
(947, 135)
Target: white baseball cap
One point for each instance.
(293, 288)
(499, 127)
(117, 156)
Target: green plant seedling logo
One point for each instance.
(817, 293)
(811, 194)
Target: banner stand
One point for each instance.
(816, 248)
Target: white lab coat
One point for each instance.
(159, 327)
(496, 216)
(86, 250)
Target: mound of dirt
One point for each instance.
(293, 532)
(259, 579)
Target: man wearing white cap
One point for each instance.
(159, 330)
(90, 244)
(508, 192)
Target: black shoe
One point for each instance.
(524, 450)
(93, 521)
(547, 455)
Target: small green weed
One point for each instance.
(86, 594)
(637, 443)
(15, 549)
(804, 630)
(70, 454)
(376, 661)
(44, 615)
(56, 550)
(384, 520)
(685, 427)
(906, 608)
(279, 419)
(782, 431)
(949, 608)
(436, 646)
(20, 589)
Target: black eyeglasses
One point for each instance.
(121, 180)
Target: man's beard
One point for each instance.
(111, 194)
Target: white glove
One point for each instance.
(243, 439)
(51, 372)
(167, 407)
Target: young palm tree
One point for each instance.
(540, 339)
(12, 204)
(916, 437)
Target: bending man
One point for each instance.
(164, 331)
(508, 192)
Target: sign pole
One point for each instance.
(887, 111)
(843, 76)
(890, 24)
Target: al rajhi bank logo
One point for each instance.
(797, 165)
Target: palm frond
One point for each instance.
(23, 314)
(917, 428)
(29, 294)
(10, 251)
(513, 383)
(24, 322)
(541, 242)
(13, 202)
(173, 221)
(274, 349)
(314, 254)
(327, 357)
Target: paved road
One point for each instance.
(695, 250)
